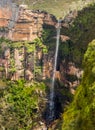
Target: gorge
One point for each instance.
(29, 60)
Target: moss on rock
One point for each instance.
(81, 113)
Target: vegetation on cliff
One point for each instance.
(81, 32)
(21, 104)
(81, 113)
(21, 56)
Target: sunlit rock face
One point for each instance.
(30, 25)
(23, 24)
(5, 14)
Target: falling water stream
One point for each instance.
(51, 101)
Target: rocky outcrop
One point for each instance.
(5, 15)
(69, 18)
(27, 26)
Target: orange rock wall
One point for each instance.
(28, 26)
(5, 14)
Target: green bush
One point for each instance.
(81, 113)
(20, 105)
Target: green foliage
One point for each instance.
(12, 68)
(48, 38)
(4, 44)
(81, 32)
(1, 68)
(30, 47)
(83, 23)
(81, 114)
(39, 43)
(48, 33)
(17, 45)
(20, 105)
(65, 49)
(45, 50)
(26, 50)
(2, 39)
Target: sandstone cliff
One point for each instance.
(22, 24)
(27, 26)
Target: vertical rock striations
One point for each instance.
(23, 24)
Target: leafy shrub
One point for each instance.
(81, 113)
(21, 108)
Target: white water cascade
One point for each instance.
(51, 102)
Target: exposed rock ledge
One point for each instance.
(28, 26)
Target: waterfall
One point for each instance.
(51, 101)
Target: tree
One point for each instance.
(81, 113)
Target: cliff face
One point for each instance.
(29, 53)
(5, 14)
(21, 24)
(27, 26)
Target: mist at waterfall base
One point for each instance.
(54, 105)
